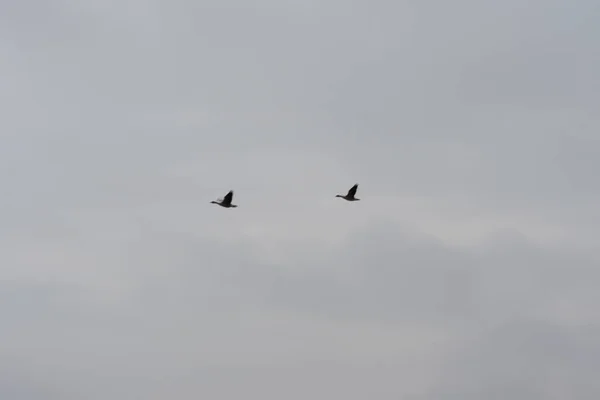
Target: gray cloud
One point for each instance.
(200, 308)
(523, 359)
(468, 270)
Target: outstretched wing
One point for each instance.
(228, 197)
(352, 190)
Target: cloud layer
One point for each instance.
(468, 270)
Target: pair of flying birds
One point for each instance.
(226, 201)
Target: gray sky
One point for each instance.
(469, 270)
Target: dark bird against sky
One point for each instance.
(350, 195)
(226, 201)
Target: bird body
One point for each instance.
(226, 202)
(350, 195)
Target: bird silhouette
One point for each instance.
(350, 195)
(226, 201)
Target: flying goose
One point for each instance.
(226, 202)
(350, 195)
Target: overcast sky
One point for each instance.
(469, 269)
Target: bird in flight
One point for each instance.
(350, 195)
(226, 201)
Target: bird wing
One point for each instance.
(228, 197)
(352, 190)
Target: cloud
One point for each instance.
(522, 359)
(466, 271)
(204, 308)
